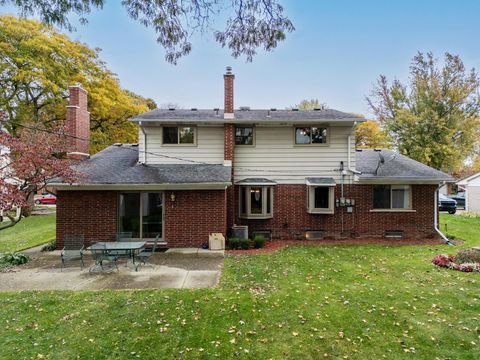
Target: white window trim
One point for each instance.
(311, 126)
(253, 135)
(248, 214)
(311, 200)
(392, 209)
(178, 135)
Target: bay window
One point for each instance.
(321, 199)
(256, 202)
(392, 197)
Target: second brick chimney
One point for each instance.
(228, 78)
(78, 123)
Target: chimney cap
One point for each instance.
(229, 71)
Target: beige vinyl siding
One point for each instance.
(276, 157)
(473, 198)
(208, 148)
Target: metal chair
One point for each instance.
(73, 249)
(100, 254)
(145, 254)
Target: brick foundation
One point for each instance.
(290, 218)
(187, 221)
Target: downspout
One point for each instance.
(435, 212)
(144, 143)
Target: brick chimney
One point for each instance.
(228, 78)
(78, 123)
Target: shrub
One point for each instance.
(234, 243)
(468, 256)
(258, 241)
(50, 246)
(12, 259)
(244, 244)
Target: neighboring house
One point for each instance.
(286, 173)
(471, 185)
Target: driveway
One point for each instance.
(175, 270)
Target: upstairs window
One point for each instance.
(310, 135)
(391, 197)
(244, 135)
(256, 202)
(178, 135)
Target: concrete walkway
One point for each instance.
(170, 271)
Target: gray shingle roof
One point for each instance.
(165, 115)
(387, 164)
(118, 165)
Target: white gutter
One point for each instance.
(435, 213)
(167, 186)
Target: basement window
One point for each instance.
(179, 135)
(392, 197)
(244, 135)
(256, 202)
(310, 136)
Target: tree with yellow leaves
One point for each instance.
(369, 135)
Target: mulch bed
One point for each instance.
(275, 245)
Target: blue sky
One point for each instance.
(336, 53)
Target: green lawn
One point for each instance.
(354, 302)
(31, 231)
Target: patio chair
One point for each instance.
(72, 249)
(100, 255)
(145, 254)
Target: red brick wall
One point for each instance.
(78, 120)
(188, 220)
(91, 213)
(228, 92)
(290, 217)
(193, 216)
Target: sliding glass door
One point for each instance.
(141, 213)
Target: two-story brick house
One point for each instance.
(287, 173)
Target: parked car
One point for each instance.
(447, 204)
(46, 199)
(460, 199)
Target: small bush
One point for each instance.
(50, 246)
(468, 256)
(12, 259)
(234, 243)
(258, 241)
(244, 244)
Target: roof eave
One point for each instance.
(140, 186)
(403, 180)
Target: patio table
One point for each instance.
(130, 246)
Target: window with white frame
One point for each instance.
(310, 136)
(392, 197)
(321, 199)
(256, 202)
(244, 135)
(178, 135)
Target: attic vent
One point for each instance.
(216, 109)
(134, 145)
(317, 109)
(377, 150)
(273, 109)
(394, 234)
(295, 109)
(171, 108)
(244, 108)
(194, 109)
(117, 144)
(358, 150)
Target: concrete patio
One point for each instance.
(185, 268)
